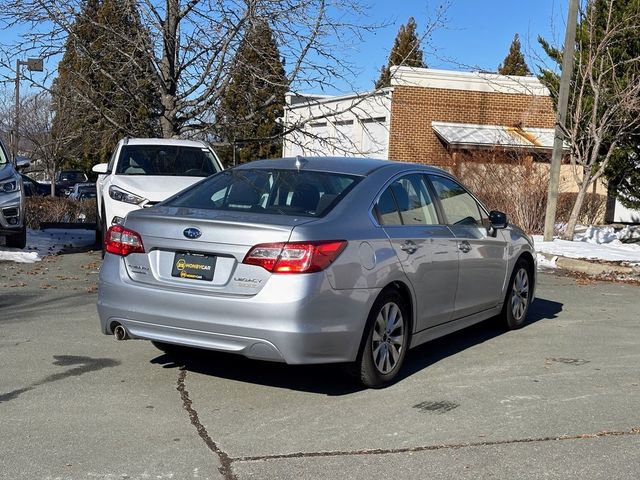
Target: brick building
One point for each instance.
(437, 117)
(399, 121)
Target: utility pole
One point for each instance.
(34, 65)
(563, 99)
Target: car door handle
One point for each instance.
(409, 247)
(464, 246)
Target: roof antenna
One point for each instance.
(300, 161)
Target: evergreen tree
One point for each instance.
(104, 88)
(623, 173)
(514, 63)
(406, 51)
(254, 99)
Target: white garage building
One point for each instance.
(352, 126)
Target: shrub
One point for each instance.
(55, 209)
(593, 208)
(519, 190)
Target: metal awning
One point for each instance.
(466, 135)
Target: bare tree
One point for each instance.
(6, 115)
(320, 125)
(38, 140)
(604, 104)
(192, 43)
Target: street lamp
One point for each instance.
(34, 65)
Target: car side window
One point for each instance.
(407, 196)
(459, 206)
(387, 210)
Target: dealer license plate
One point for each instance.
(194, 266)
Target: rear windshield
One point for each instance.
(71, 177)
(284, 192)
(166, 160)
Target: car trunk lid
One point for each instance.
(201, 251)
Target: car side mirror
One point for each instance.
(100, 168)
(22, 162)
(498, 219)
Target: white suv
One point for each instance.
(145, 171)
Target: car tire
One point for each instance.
(516, 303)
(18, 240)
(387, 331)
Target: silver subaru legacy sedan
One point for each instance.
(315, 260)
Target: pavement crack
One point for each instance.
(424, 448)
(225, 461)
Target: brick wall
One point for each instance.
(412, 139)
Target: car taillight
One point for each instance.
(122, 241)
(295, 257)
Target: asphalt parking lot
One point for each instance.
(558, 399)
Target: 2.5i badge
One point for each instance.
(194, 266)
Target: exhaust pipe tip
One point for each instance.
(120, 333)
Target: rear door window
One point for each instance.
(387, 210)
(406, 202)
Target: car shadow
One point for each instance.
(332, 380)
(323, 379)
(432, 352)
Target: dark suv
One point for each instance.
(12, 203)
(66, 179)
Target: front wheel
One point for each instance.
(518, 299)
(386, 341)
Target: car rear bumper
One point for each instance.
(298, 319)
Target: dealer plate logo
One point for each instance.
(192, 233)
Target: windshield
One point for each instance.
(284, 192)
(166, 160)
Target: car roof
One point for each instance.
(165, 141)
(347, 165)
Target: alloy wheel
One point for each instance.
(387, 341)
(520, 294)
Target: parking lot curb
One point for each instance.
(590, 267)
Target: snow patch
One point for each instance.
(596, 243)
(18, 256)
(544, 262)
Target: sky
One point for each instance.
(476, 35)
